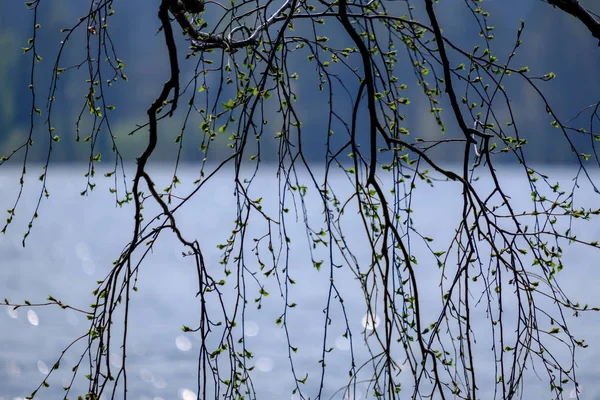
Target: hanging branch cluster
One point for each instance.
(361, 56)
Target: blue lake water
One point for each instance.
(75, 239)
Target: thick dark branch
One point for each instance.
(204, 41)
(368, 70)
(447, 76)
(574, 8)
(171, 84)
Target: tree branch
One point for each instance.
(574, 8)
(205, 41)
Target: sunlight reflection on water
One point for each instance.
(13, 313)
(370, 323)
(33, 318)
(264, 364)
(251, 328)
(164, 370)
(186, 394)
(42, 367)
(88, 266)
(183, 343)
(159, 382)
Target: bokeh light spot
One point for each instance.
(42, 367)
(32, 317)
(159, 382)
(183, 343)
(264, 364)
(251, 328)
(88, 266)
(186, 394)
(370, 323)
(13, 313)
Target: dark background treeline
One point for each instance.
(552, 41)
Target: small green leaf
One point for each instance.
(229, 105)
